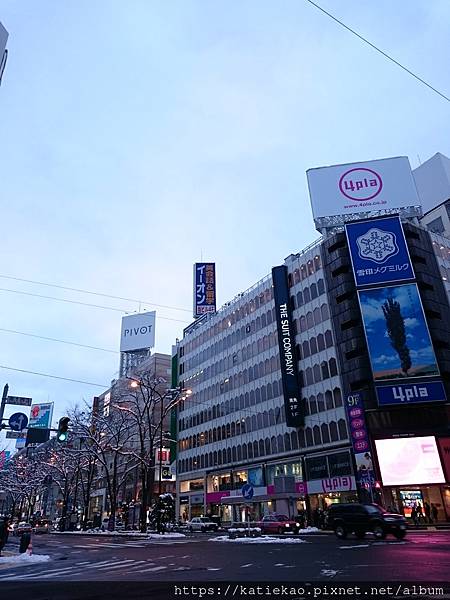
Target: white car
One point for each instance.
(202, 524)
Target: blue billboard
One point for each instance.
(378, 251)
(397, 333)
(408, 393)
(204, 289)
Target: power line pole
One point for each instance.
(3, 404)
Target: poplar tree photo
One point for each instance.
(395, 325)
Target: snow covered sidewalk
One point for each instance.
(23, 559)
(138, 534)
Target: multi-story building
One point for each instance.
(156, 367)
(232, 429)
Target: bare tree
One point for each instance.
(107, 441)
(147, 403)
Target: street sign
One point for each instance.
(247, 491)
(18, 421)
(15, 435)
(19, 400)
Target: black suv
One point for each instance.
(361, 518)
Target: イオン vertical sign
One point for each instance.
(288, 354)
(204, 289)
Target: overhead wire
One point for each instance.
(50, 339)
(121, 310)
(92, 293)
(382, 52)
(102, 385)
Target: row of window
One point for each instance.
(305, 270)
(315, 344)
(323, 401)
(229, 341)
(240, 313)
(303, 438)
(238, 403)
(311, 318)
(317, 373)
(308, 293)
(235, 382)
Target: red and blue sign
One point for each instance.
(407, 393)
(357, 423)
(204, 288)
(378, 251)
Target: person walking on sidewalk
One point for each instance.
(427, 512)
(434, 512)
(414, 515)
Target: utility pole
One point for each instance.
(3, 404)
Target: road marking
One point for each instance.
(152, 570)
(247, 565)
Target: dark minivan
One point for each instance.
(362, 518)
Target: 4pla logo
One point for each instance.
(360, 184)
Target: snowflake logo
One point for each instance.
(377, 245)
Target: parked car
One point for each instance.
(202, 524)
(22, 527)
(278, 524)
(363, 518)
(42, 526)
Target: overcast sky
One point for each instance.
(140, 136)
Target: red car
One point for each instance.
(278, 524)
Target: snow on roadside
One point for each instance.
(24, 558)
(122, 534)
(258, 540)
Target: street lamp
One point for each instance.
(177, 393)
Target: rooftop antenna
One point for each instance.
(418, 158)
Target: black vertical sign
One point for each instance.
(288, 356)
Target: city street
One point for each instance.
(420, 557)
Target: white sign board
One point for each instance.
(361, 187)
(138, 332)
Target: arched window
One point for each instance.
(325, 433)
(309, 319)
(287, 442)
(296, 276)
(320, 402)
(260, 420)
(306, 295)
(254, 426)
(261, 447)
(333, 431)
(316, 435)
(233, 454)
(313, 345)
(301, 438)
(239, 452)
(269, 391)
(325, 312)
(317, 316)
(313, 288)
(294, 440)
(258, 395)
(337, 395)
(265, 419)
(329, 400)
(271, 417)
(267, 446)
(305, 349)
(244, 452)
(299, 299)
(309, 376)
(273, 445)
(233, 429)
(309, 437)
(342, 427)
(263, 393)
(275, 389)
(317, 263)
(252, 450)
(303, 326)
(312, 405)
(333, 367)
(317, 375)
(320, 287)
(324, 369)
(252, 397)
(202, 461)
(320, 342)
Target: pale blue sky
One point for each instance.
(137, 135)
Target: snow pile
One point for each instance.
(309, 530)
(162, 536)
(24, 558)
(328, 572)
(258, 540)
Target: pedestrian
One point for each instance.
(434, 512)
(427, 508)
(419, 511)
(414, 515)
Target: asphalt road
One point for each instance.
(420, 557)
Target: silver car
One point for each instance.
(202, 524)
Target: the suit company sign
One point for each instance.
(286, 343)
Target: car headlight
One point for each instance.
(287, 525)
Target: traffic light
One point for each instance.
(63, 427)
